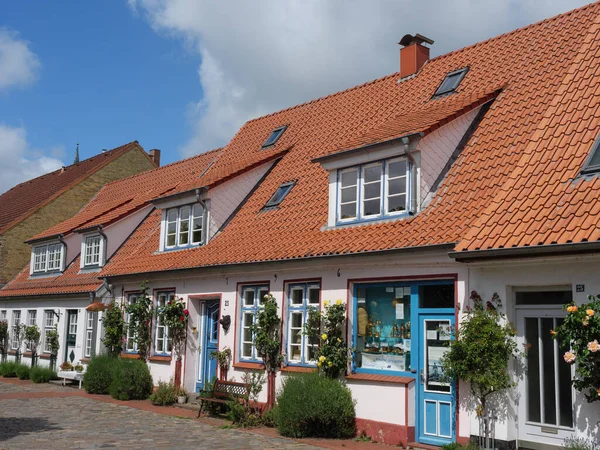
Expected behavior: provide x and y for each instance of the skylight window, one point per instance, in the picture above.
(592, 164)
(281, 192)
(451, 82)
(274, 137)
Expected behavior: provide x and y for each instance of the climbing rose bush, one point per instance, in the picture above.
(175, 316)
(578, 336)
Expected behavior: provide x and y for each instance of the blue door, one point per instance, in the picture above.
(208, 343)
(436, 397)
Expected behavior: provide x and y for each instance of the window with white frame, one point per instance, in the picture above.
(252, 299)
(184, 226)
(47, 258)
(93, 251)
(162, 335)
(302, 298)
(31, 320)
(373, 190)
(16, 322)
(130, 345)
(89, 334)
(3, 315)
(48, 327)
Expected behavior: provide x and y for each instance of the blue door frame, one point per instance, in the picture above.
(436, 400)
(208, 341)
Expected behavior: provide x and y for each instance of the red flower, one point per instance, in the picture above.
(182, 318)
(186, 312)
(169, 303)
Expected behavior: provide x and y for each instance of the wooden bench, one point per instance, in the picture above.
(225, 391)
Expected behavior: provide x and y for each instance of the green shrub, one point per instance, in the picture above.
(310, 405)
(100, 373)
(579, 443)
(9, 369)
(23, 372)
(164, 395)
(457, 446)
(270, 417)
(42, 374)
(131, 381)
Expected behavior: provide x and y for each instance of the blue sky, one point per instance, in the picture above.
(184, 75)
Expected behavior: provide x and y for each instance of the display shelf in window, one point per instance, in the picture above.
(383, 334)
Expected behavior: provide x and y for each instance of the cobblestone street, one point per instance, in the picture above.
(58, 418)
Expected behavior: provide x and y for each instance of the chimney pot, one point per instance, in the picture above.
(104, 150)
(413, 53)
(155, 156)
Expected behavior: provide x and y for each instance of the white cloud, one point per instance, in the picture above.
(18, 161)
(19, 66)
(258, 57)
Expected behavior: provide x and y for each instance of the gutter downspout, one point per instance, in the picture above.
(406, 140)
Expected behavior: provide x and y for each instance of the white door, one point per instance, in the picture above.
(545, 394)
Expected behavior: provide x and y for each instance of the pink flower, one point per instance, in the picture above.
(182, 318)
(569, 357)
(593, 346)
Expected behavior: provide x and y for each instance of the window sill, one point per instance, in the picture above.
(11, 352)
(249, 365)
(298, 369)
(380, 378)
(161, 358)
(130, 355)
(27, 354)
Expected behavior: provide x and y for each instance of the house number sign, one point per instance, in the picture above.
(580, 288)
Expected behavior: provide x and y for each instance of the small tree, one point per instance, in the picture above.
(32, 340)
(3, 338)
(327, 328)
(114, 330)
(175, 316)
(140, 314)
(482, 350)
(53, 344)
(266, 331)
(18, 335)
(581, 332)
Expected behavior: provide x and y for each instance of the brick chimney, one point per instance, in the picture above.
(413, 53)
(155, 156)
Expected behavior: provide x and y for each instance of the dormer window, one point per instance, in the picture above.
(281, 192)
(374, 190)
(47, 258)
(274, 137)
(184, 226)
(93, 251)
(451, 82)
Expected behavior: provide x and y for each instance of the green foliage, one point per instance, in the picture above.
(270, 417)
(212, 409)
(114, 329)
(327, 328)
(42, 374)
(236, 412)
(140, 313)
(456, 446)
(581, 332)
(164, 395)
(8, 369)
(223, 358)
(131, 381)
(18, 335)
(22, 372)
(175, 316)
(311, 405)
(53, 341)
(266, 331)
(32, 336)
(3, 335)
(483, 347)
(100, 373)
(579, 443)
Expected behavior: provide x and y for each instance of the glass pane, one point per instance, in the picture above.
(371, 207)
(172, 215)
(436, 340)
(183, 238)
(396, 169)
(349, 194)
(247, 336)
(296, 321)
(262, 293)
(372, 173)
(549, 382)
(311, 353)
(436, 296)
(197, 235)
(314, 295)
(533, 370)
(295, 353)
(160, 346)
(247, 350)
(198, 211)
(348, 211)
(564, 387)
(171, 227)
(295, 336)
(544, 297)
(397, 186)
(397, 203)
(297, 296)
(249, 297)
(349, 178)
(372, 190)
(184, 213)
(170, 240)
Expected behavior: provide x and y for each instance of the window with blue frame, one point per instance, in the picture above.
(130, 344)
(162, 334)
(372, 191)
(184, 226)
(252, 299)
(302, 297)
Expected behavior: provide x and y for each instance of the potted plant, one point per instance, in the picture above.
(223, 358)
(181, 395)
(78, 367)
(66, 366)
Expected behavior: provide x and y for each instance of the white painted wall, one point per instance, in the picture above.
(117, 232)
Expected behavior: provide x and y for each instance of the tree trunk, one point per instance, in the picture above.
(178, 372)
(271, 390)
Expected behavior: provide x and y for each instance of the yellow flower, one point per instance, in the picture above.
(321, 358)
(593, 346)
(585, 321)
(552, 332)
(589, 312)
(572, 309)
(569, 357)
(330, 364)
(319, 364)
(598, 392)
(339, 340)
(323, 336)
(338, 302)
(325, 303)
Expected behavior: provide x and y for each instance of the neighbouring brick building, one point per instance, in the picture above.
(37, 204)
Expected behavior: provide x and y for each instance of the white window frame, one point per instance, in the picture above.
(41, 257)
(87, 244)
(31, 320)
(16, 320)
(131, 345)
(48, 326)
(162, 298)
(302, 308)
(3, 315)
(386, 194)
(339, 190)
(362, 183)
(249, 309)
(192, 219)
(90, 322)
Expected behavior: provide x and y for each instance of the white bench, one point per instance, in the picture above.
(70, 375)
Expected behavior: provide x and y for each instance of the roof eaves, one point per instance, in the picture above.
(519, 252)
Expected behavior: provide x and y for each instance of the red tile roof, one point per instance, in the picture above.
(114, 201)
(25, 198)
(523, 157)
